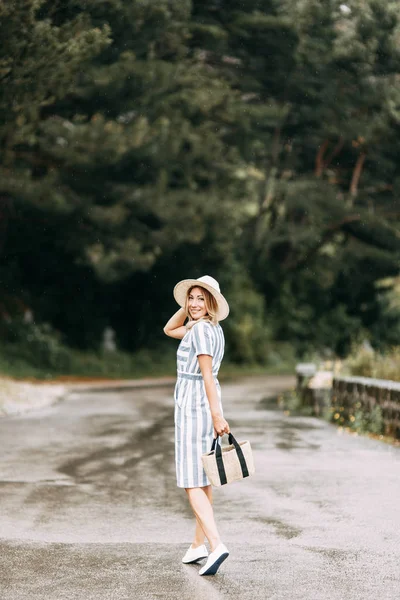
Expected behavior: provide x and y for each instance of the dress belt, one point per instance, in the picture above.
(192, 376)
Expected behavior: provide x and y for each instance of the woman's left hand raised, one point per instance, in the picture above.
(221, 426)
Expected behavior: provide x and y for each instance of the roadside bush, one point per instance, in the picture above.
(360, 421)
(41, 355)
(367, 363)
(39, 344)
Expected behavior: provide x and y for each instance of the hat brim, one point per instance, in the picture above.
(181, 290)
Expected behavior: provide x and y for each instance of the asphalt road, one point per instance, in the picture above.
(89, 509)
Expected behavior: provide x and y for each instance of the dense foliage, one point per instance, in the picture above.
(144, 142)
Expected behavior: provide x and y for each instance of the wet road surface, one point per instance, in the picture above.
(89, 509)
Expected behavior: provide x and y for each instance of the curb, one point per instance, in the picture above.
(21, 397)
(119, 385)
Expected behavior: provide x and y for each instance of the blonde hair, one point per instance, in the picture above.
(210, 303)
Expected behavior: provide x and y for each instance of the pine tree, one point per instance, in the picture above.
(318, 89)
(125, 162)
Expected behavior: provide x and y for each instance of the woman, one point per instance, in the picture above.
(198, 408)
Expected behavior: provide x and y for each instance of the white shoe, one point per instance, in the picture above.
(195, 554)
(215, 560)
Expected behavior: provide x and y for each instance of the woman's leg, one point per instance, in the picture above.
(199, 535)
(200, 502)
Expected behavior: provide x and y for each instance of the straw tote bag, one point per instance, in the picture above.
(230, 463)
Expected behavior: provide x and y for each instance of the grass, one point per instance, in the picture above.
(119, 365)
(91, 365)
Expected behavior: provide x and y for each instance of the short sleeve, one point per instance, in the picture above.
(202, 338)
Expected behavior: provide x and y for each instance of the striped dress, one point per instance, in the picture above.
(194, 430)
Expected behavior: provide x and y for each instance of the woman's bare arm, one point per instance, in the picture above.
(221, 426)
(175, 327)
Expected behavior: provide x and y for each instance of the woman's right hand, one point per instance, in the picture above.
(221, 425)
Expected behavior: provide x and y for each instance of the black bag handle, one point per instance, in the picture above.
(240, 454)
(220, 464)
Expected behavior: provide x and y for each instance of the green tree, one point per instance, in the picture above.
(144, 142)
(124, 164)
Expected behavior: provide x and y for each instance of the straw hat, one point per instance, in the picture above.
(208, 283)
